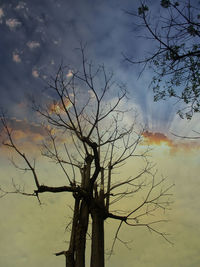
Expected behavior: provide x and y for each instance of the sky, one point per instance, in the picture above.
(36, 37)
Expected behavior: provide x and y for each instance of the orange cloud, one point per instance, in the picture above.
(57, 107)
(24, 132)
(157, 138)
(27, 136)
(69, 74)
(35, 73)
(16, 58)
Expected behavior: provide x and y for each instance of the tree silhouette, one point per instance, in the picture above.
(174, 52)
(89, 138)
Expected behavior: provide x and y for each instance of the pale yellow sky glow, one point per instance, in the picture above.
(30, 233)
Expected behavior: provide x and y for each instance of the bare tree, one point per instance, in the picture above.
(174, 53)
(89, 138)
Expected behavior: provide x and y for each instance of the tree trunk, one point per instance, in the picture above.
(69, 259)
(97, 250)
(71, 252)
(81, 235)
(97, 213)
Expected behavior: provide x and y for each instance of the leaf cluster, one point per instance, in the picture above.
(175, 52)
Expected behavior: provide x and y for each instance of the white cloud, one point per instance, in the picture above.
(13, 23)
(35, 73)
(21, 5)
(16, 58)
(33, 44)
(69, 74)
(57, 42)
(91, 93)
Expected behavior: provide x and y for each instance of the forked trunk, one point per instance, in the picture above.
(82, 225)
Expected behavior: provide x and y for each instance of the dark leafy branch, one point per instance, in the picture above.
(175, 52)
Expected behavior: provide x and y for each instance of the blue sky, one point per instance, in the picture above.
(38, 36)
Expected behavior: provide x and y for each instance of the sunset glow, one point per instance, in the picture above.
(160, 139)
(49, 46)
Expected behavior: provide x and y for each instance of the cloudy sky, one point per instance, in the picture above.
(36, 36)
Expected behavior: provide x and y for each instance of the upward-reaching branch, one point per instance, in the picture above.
(89, 140)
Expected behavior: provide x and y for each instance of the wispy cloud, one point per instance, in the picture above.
(1, 15)
(29, 136)
(57, 107)
(24, 131)
(20, 5)
(16, 57)
(91, 93)
(35, 73)
(69, 74)
(13, 23)
(33, 44)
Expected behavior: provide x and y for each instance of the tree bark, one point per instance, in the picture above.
(97, 250)
(69, 259)
(97, 213)
(82, 225)
(81, 235)
(70, 255)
